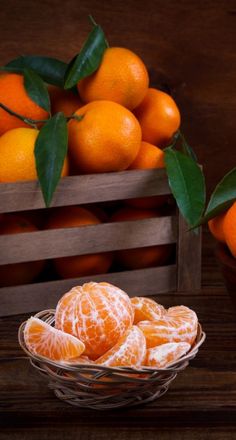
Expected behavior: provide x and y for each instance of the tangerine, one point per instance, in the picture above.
(229, 229)
(146, 309)
(165, 354)
(97, 313)
(121, 77)
(216, 227)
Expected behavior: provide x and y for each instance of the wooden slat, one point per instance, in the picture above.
(39, 296)
(85, 189)
(83, 240)
(189, 257)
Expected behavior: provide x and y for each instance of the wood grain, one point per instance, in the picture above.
(85, 189)
(29, 246)
(40, 296)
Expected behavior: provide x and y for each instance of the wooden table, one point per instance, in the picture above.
(201, 403)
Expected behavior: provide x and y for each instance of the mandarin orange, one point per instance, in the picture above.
(216, 227)
(146, 309)
(229, 229)
(165, 354)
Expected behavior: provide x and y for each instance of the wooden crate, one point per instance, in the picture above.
(185, 274)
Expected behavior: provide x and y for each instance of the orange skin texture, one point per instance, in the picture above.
(107, 139)
(129, 351)
(148, 157)
(17, 160)
(229, 229)
(64, 101)
(216, 227)
(158, 116)
(14, 96)
(18, 273)
(146, 309)
(121, 77)
(44, 340)
(81, 265)
(177, 324)
(97, 313)
(140, 258)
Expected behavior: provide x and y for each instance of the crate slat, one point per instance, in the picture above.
(83, 240)
(34, 297)
(85, 189)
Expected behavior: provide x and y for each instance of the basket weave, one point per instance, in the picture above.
(99, 387)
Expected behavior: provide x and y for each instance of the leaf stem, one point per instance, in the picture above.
(28, 121)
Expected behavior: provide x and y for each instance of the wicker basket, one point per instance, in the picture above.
(99, 387)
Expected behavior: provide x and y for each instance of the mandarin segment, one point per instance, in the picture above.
(97, 313)
(130, 350)
(162, 355)
(178, 324)
(44, 340)
(146, 309)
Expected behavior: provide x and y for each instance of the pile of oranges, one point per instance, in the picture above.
(223, 228)
(98, 323)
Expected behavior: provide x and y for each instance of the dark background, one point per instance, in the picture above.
(187, 45)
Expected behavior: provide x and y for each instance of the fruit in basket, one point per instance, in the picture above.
(129, 351)
(44, 340)
(64, 101)
(107, 138)
(158, 116)
(146, 309)
(18, 273)
(121, 77)
(178, 324)
(229, 229)
(78, 265)
(17, 161)
(216, 227)
(164, 354)
(139, 258)
(97, 313)
(14, 96)
(148, 157)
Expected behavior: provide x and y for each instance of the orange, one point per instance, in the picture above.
(79, 265)
(159, 117)
(129, 351)
(229, 229)
(139, 258)
(64, 101)
(165, 354)
(121, 77)
(148, 157)
(146, 309)
(44, 340)
(216, 227)
(108, 137)
(17, 161)
(97, 313)
(14, 96)
(178, 324)
(18, 273)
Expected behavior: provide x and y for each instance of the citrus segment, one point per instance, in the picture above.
(178, 324)
(164, 354)
(97, 313)
(44, 340)
(146, 309)
(129, 351)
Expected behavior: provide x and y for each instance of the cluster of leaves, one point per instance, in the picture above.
(186, 178)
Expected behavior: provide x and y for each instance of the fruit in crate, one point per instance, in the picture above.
(18, 273)
(79, 265)
(106, 325)
(97, 313)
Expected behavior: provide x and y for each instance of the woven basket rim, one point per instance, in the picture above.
(174, 366)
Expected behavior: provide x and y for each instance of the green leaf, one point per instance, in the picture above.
(222, 197)
(89, 58)
(50, 152)
(51, 70)
(187, 184)
(186, 147)
(36, 89)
